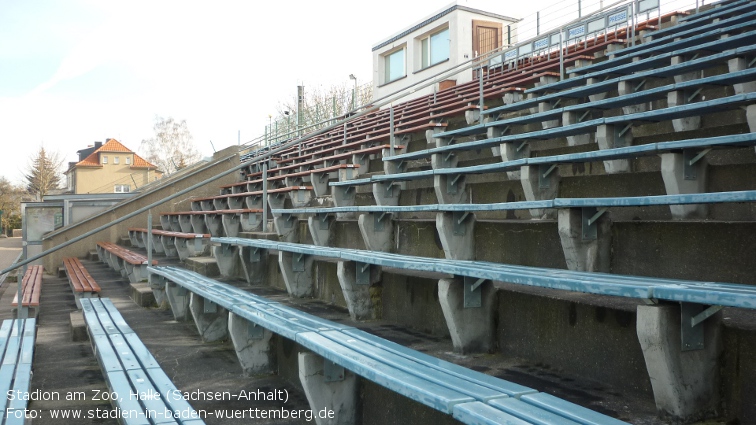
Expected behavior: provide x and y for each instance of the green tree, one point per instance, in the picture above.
(10, 204)
(43, 174)
(172, 148)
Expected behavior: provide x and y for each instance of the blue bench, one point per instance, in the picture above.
(721, 9)
(17, 349)
(443, 386)
(694, 31)
(647, 288)
(614, 102)
(615, 66)
(658, 115)
(129, 369)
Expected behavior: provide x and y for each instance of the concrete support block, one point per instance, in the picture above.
(377, 231)
(251, 222)
(740, 64)
(227, 259)
(169, 245)
(688, 76)
(254, 264)
(358, 297)
(343, 196)
(231, 224)
(165, 222)
(537, 187)
(751, 117)
(456, 230)
(471, 328)
(287, 228)
(676, 182)
(472, 116)
(320, 228)
(514, 151)
(178, 300)
(338, 397)
(679, 98)
(254, 202)
(685, 383)
(387, 192)
(191, 248)
(598, 96)
(543, 107)
(185, 223)
(511, 97)
(298, 279)
(252, 345)
(494, 132)
(198, 223)
(451, 188)
(430, 136)
(579, 139)
(319, 183)
(626, 88)
(214, 225)
(588, 254)
(210, 318)
(610, 137)
(299, 198)
(276, 201)
(157, 245)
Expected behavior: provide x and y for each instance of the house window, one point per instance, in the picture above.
(104, 159)
(435, 48)
(116, 160)
(122, 188)
(128, 160)
(394, 65)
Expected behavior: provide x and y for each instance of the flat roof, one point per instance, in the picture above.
(445, 11)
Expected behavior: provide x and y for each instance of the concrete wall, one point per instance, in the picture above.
(222, 161)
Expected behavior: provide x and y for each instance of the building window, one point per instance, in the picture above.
(104, 159)
(122, 188)
(394, 65)
(435, 48)
(128, 160)
(116, 160)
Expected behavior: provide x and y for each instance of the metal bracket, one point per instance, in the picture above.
(590, 216)
(692, 336)
(323, 219)
(255, 254)
(693, 95)
(349, 192)
(458, 219)
(750, 64)
(551, 168)
(447, 158)
(621, 133)
(522, 145)
(690, 158)
(543, 172)
(362, 273)
(641, 84)
(332, 372)
(209, 306)
(585, 114)
(297, 262)
(254, 331)
(451, 183)
(557, 103)
(378, 223)
(390, 189)
(288, 220)
(472, 292)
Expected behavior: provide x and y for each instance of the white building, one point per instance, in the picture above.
(437, 43)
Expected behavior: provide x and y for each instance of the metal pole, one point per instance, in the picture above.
(538, 23)
(580, 9)
(391, 130)
(149, 245)
(561, 53)
(22, 313)
(265, 197)
(480, 90)
(632, 38)
(345, 134)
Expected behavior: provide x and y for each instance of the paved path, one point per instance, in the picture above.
(10, 248)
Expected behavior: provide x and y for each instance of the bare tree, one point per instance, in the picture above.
(172, 148)
(10, 205)
(322, 107)
(44, 173)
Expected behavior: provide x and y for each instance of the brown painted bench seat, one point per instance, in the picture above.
(31, 289)
(213, 221)
(82, 283)
(170, 243)
(129, 263)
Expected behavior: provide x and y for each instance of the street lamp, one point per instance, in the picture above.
(354, 91)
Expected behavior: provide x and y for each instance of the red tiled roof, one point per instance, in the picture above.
(113, 145)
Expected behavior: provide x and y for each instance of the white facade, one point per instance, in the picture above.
(417, 53)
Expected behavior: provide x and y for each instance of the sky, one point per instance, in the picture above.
(78, 71)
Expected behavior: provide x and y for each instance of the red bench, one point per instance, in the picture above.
(81, 282)
(31, 288)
